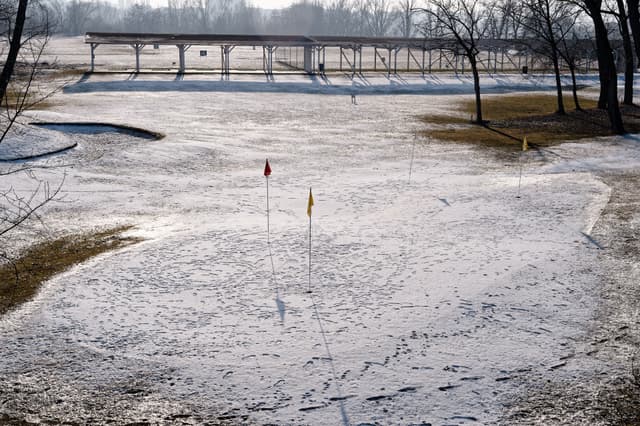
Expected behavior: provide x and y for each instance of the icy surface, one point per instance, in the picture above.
(438, 297)
(24, 141)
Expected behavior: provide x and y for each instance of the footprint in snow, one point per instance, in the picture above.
(280, 306)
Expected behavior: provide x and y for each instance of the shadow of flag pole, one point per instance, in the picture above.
(309, 211)
(525, 147)
(279, 302)
(343, 411)
(413, 149)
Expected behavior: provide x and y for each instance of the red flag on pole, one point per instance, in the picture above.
(267, 169)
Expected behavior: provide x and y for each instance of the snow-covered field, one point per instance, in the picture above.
(435, 300)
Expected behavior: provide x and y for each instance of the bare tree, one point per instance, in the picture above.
(27, 42)
(15, 43)
(339, 17)
(620, 13)
(634, 22)
(548, 23)
(606, 64)
(301, 18)
(407, 8)
(378, 16)
(502, 16)
(572, 49)
(16, 208)
(77, 15)
(465, 23)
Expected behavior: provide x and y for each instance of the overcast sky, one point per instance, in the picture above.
(272, 4)
(265, 4)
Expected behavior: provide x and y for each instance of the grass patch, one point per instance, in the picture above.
(509, 118)
(507, 107)
(13, 96)
(21, 279)
(627, 403)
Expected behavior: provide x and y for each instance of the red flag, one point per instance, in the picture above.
(267, 169)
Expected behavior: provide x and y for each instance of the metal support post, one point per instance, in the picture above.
(93, 55)
(395, 60)
(354, 58)
(375, 59)
(181, 51)
(138, 47)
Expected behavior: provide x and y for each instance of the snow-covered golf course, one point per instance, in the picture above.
(444, 299)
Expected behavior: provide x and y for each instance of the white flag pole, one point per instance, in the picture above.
(268, 218)
(309, 213)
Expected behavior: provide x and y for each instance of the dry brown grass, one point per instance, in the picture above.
(13, 97)
(505, 107)
(509, 118)
(20, 280)
(627, 403)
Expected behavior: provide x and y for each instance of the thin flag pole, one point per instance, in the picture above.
(267, 173)
(309, 254)
(309, 206)
(413, 149)
(520, 179)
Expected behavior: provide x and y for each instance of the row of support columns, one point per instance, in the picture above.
(315, 59)
(355, 65)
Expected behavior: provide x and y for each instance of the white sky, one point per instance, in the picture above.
(265, 4)
(272, 4)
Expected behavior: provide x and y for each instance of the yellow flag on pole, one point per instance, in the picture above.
(310, 203)
(525, 145)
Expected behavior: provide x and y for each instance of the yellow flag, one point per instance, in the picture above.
(525, 145)
(310, 203)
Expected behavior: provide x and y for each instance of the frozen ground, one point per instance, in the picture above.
(441, 298)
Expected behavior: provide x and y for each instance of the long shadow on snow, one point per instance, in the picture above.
(313, 87)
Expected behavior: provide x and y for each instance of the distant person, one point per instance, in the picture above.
(353, 99)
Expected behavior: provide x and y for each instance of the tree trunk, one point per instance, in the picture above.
(14, 48)
(602, 98)
(628, 55)
(574, 86)
(634, 22)
(606, 63)
(476, 87)
(553, 45)
(556, 70)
